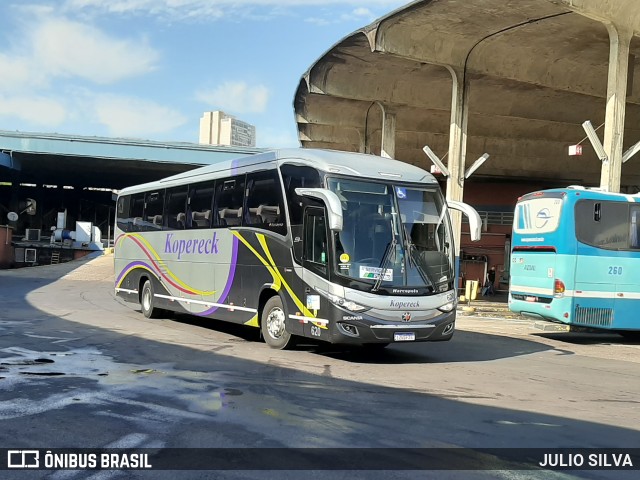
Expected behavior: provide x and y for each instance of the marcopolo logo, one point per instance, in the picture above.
(200, 246)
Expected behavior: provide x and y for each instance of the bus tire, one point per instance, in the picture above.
(272, 325)
(147, 301)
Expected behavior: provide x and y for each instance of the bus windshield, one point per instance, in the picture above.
(393, 236)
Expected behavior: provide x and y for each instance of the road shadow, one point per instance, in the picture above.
(591, 338)
(464, 346)
(102, 387)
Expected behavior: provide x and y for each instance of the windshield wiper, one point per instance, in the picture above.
(391, 247)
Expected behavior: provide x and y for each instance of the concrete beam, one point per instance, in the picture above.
(623, 13)
(510, 119)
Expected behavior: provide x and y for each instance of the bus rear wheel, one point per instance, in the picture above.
(147, 301)
(272, 324)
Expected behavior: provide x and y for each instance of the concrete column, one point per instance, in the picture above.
(619, 40)
(368, 134)
(388, 146)
(362, 148)
(457, 148)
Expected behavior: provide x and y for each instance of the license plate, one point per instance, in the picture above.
(404, 336)
(531, 299)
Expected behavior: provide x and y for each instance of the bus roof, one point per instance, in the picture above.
(333, 161)
(578, 192)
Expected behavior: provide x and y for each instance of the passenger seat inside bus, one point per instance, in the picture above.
(268, 213)
(201, 219)
(137, 224)
(231, 216)
(156, 220)
(181, 221)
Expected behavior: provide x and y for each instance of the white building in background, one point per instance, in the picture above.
(218, 128)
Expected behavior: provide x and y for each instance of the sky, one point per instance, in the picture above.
(149, 69)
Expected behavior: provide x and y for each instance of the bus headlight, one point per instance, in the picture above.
(342, 302)
(352, 306)
(447, 307)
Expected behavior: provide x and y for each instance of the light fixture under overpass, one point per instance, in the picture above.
(633, 149)
(599, 149)
(595, 141)
(445, 171)
(436, 161)
(476, 165)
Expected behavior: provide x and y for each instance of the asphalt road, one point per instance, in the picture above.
(79, 368)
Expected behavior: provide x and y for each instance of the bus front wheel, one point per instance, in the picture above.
(272, 325)
(147, 301)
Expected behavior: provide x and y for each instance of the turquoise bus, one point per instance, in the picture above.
(575, 258)
(334, 246)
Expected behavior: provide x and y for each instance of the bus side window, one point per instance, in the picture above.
(175, 209)
(634, 228)
(603, 224)
(200, 205)
(315, 240)
(153, 210)
(123, 218)
(264, 202)
(297, 176)
(136, 212)
(228, 202)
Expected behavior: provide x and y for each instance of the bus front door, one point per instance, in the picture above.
(315, 274)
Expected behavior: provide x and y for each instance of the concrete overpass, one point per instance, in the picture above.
(513, 78)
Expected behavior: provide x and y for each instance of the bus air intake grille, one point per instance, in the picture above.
(593, 317)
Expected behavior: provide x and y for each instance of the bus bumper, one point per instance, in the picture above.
(356, 329)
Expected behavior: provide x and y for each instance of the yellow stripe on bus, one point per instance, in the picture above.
(296, 300)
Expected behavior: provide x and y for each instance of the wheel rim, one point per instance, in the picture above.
(275, 323)
(146, 300)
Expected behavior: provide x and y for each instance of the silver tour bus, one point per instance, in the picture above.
(341, 247)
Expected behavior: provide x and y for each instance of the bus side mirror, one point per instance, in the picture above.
(475, 222)
(331, 200)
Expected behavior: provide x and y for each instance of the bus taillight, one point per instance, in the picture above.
(558, 287)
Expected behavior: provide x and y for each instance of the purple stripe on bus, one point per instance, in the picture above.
(232, 273)
(130, 266)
